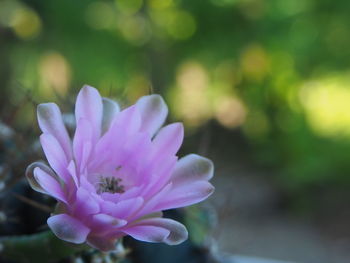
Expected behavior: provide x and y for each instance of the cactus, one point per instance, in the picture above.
(42, 247)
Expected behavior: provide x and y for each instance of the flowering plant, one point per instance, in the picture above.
(118, 173)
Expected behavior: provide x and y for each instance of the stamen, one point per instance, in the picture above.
(110, 185)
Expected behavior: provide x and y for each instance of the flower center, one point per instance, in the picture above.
(110, 185)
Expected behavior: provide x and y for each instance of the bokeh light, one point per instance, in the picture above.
(55, 73)
(24, 21)
(254, 62)
(230, 112)
(192, 94)
(326, 102)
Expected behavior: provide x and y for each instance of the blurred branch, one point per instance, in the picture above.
(33, 203)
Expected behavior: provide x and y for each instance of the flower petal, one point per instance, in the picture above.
(89, 106)
(155, 200)
(123, 209)
(153, 112)
(68, 228)
(129, 119)
(82, 143)
(104, 219)
(110, 110)
(73, 172)
(185, 195)
(49, 184)
(161, 175)
(158, 230)
(85, 204)
(84, 182)
(104, 224)
(148, 233)
(55, 156)
(50, 121)
(192, 168)
(168, 140)
(132, 192)
(32, 180)
(123, 129)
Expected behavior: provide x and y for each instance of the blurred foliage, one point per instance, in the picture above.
(275, 70)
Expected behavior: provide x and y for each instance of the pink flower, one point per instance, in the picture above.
(118, 173)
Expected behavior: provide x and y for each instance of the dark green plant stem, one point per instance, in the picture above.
(43, 247)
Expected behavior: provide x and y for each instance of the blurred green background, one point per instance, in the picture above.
(264, 83)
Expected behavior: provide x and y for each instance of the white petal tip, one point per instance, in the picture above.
(33, 182)
(177, 235)
(68, 228)
(202, 165)
(87, 87)
(47, 111)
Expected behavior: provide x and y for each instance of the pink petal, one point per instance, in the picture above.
(68, 228)
(110, 111)
(192, 168)
(185, 195)
(82, 143)
(50, 121)
(132, 192)
(85, 204)
(86, 154)
(109, 143)
(123, 209)
(129, 119)
(55, 156)
(105, 219)
(150, 205)
(153, 113)
(73, 172)
(89, 107)
(161, 175)
(49, 184)
(140, 143)
(110, 197)
(158, 230)
(123, 129)
(135, 152)
(103, 224)
(168, 140)
(86, 184)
